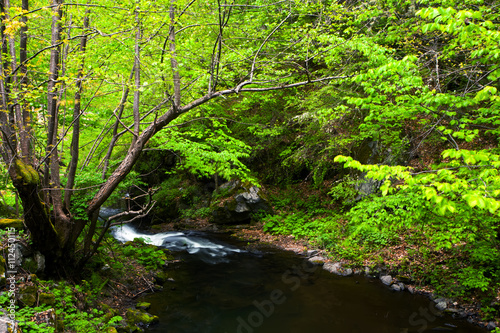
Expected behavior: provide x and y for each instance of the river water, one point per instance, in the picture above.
(220, 286)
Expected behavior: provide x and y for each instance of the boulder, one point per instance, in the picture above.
(47, 298)
(140, 318)
(336, 268)
(317, 260)
(441, 306)
(239, 203)
(27, 294)
(386, 279)
(6, 323)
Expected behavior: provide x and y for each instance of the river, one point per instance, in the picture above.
(223, 286)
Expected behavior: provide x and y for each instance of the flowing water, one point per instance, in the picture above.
(221, 287)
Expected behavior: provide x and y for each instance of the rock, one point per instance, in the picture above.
(333, 267)
(386, 279)
(29, 264)
(47, 298)
(358, 271)
(403, 278)
(161, 277)
(240, 203)
(411, 289)
(143, 305)
(311, 253)
(27, 294)
(317, 260)
(20, 252)
(110, 330)
(439, 300)
(6, 323)
(441, 306)
(35, 263)
(48, 317)
(11, 223)
(491, 326)
(336, 268)
(140, 318)
(396, 287)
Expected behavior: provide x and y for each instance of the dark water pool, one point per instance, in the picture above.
(270, 290)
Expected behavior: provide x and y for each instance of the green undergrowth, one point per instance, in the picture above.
(457, 255)
(95, 299)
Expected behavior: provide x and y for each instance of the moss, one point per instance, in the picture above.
(139, 317)
(30, 265)
(11, 223)
(27, 295)
(26, 173)
(110, 330)
(47, 298)
(143, 305)
(161, 277)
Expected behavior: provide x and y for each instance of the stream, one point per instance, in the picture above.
(222, 286)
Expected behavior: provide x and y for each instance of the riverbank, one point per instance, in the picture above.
(389, 271)
(106, 293)
(100, 298)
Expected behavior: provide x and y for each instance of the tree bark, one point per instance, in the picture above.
(137, 76)
(75, 139)
(173, 59)
(115, 137)
(52, 181)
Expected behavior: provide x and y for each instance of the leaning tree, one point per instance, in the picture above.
(86, 76)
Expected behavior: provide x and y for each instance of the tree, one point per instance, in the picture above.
(180, 61)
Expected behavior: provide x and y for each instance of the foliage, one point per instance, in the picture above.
(149, 256)
(67, 314)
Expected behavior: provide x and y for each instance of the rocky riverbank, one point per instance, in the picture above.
(388, 275)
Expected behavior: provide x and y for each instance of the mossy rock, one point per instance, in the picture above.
(110, 330)
(140, 318)
(27, 295)
(47, 298)
(11, 223)
(161, 277)
(30, 265)
(143, 305)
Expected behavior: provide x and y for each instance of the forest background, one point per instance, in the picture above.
(373, 125)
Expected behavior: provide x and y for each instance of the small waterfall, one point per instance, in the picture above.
(194, 243)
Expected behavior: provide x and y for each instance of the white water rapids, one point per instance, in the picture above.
(192, 242)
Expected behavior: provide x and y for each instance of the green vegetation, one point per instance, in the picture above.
(374, 126)
(85, 304)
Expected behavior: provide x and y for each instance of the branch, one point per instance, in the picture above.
(70, 126)
(254, 6)
(262, 45)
